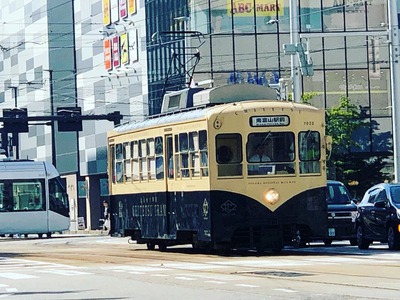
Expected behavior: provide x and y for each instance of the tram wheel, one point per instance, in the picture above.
(151, 246)
(48, 235)
(162, 247)
(40, 235)
(328, 242)
(298, 241)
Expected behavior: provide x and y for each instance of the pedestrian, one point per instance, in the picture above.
(107, 217)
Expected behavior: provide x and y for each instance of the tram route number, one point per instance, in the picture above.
(308, 123)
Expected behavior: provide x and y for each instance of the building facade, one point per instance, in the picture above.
(110, 55)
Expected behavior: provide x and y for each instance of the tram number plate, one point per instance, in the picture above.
(331, 232)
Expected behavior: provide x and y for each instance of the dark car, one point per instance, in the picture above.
(378, 216)
(342, 212)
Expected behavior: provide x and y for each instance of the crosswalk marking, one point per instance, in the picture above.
(65, 272)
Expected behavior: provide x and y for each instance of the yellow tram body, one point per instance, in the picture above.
(190, 176)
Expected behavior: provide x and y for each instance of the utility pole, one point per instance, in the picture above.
(394, 59)
(53, 133)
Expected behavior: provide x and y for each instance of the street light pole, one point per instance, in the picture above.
(294, 61)
(395, 79)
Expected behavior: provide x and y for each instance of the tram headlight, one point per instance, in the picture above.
(271, 196)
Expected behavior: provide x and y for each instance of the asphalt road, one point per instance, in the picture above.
(103, 267)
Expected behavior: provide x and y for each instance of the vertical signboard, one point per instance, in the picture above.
(133, 45)
(131, 7)
(107, 54)
(115, 52)
(106, 12)
(114, 11)
(123, 12)
(123, 39)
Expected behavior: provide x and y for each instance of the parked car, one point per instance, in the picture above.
(378, 216)
(342, 212)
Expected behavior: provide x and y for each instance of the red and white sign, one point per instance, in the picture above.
(116, 52)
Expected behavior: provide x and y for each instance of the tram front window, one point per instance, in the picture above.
(229, 154)
(58, 197)
(270, 153)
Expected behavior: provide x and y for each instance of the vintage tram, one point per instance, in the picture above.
(221, 168)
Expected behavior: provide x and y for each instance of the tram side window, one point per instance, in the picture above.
(203, 152)
(58, 197)
(309, 152)
(135, 161)
(143, 159)
(194, 157)
(28, 195)
(229, 154)
(119, 170)
(6, 197)
(127, 161)
(182, 156)
(112, 157)
(159, 151)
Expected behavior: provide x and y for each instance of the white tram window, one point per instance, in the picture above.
(203, 152)
(127, 161)
(135, 149)
(184, 156)
(151, 158)
(309, 152)
(194, 155)
(143, 160)
(135, 160)
(150, 147)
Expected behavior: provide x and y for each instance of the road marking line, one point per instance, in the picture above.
(185, 278)
(247, 285)
(16, 276)
(65, 272)
(285, 290)
(214, 281)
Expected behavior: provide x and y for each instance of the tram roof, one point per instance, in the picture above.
(204, 112)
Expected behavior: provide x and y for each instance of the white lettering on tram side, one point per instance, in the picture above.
(149, 207)
(273, 182)
(149, 210)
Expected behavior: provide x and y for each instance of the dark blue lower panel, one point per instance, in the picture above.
(218, 217)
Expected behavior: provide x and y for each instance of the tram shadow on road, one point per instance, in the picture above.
(314, 249)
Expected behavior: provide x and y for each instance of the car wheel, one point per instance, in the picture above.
(361, 241)
(393, 239)
(328, 242)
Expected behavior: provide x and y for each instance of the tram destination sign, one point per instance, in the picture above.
(267, 121)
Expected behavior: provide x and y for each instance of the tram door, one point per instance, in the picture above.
(170, 196)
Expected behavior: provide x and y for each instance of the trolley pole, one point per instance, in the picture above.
(395, 80)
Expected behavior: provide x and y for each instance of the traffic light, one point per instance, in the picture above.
(71, 119)
(15, 120)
